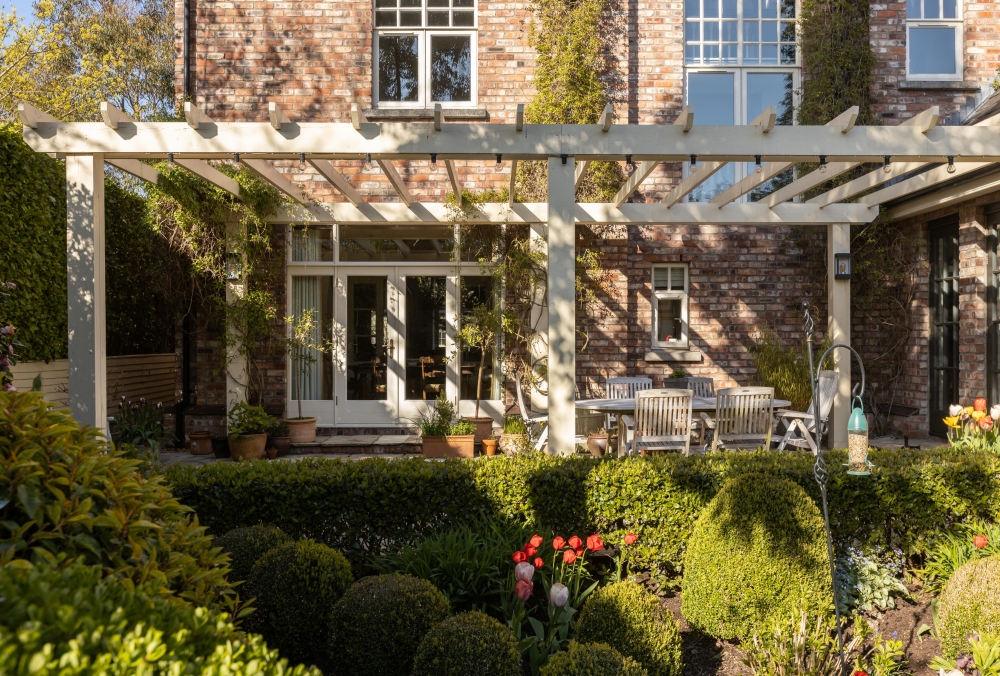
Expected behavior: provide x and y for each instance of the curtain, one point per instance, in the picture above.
(306, 244)
(305, 296)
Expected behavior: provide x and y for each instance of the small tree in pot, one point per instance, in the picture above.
(481, 329)
(301, 347)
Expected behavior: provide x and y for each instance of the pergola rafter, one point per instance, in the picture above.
(567, 149)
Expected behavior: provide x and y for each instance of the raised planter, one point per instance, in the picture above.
(455, 446)
(247, 446)
(201, 443)
(484, 427)
(512, 444)
(301, 430)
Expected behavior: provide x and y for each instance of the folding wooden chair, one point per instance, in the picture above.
(743, 417)
(663, 421)
(800, 428)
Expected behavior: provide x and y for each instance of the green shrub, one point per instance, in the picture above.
(591, 659)
(470, 643)
(969, 604)
(634, 622)
(381, 505)
(380, 622)
(955, 549)
(71, 622)
(70, 497)
(245, 546)
(756, 551)
(297, 585)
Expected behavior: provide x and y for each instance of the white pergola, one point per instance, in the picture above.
(918, 151)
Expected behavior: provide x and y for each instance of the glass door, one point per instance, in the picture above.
(944, 320)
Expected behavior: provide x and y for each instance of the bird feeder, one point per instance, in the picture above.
(857, 441)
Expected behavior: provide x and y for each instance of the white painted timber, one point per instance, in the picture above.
(357, 117)
(112, 116)
(397, 182)
(337, 180)
(512, 187)
(644, 169)
(137, 169)
(698, 175)
(807, 182)
(277, 179)
(846, 119)
(87, 352)
(766, 119)
(866, 182)
(438, 117)
(607, 118)
(919, 182)
(838, 240)
(456, 185)
(947, 195)
(403, 248)
(277, 116)
(685, 120)
(519, 117)
(561, 240)
(581, 170)
(211, 174)
(31, 117)
(194, 116)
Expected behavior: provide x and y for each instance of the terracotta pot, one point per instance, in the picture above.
(490, 446)
(512, 444)
(597, 445)
(201, 443)
(455, 446)
(484, 427)
(301, 430)
(272, 453)
(280, 444)
(247, 446)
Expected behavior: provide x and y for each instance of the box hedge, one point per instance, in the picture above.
(468, 643)
(245, 546)
(969, 604)
(366, 507)
(591, 659)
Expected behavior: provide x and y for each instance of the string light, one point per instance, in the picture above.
(368, 161)
(629, 165)
(886, 162)
(758, 169)
(499, 161)
(822, 164)
(694, 160)
(170, 161)
(236, 158)
(302, 161)
(434, 159)
(951, 164)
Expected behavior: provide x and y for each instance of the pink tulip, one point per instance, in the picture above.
(559, 595)
(523, 589)
(524, 571)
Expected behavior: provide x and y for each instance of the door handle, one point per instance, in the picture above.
(392, 349)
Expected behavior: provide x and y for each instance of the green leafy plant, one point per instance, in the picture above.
(440, 421)
(247, 419)
(581, 659)
(140, 424)
(469, 643)
(148, 457)
(801, 647)
(786, 369)
(757, 549)
(678, 373)
(968, 604)
(886, 658)
(956, 548)
(864, 583)
(481, 329)
(632, 621)
(245, 546)
(296, 586)
(303, 345)
(514, 424)
(981, 657)
(279, 428)
(8, 341)
(462, 427)
(380, 622)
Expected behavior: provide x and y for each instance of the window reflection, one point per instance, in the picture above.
(451, 68)
(398, 67)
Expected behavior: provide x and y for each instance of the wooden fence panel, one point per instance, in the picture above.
(152, 376)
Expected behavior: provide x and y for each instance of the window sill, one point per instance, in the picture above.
(940, 84)
(662, 354)
(399, 114)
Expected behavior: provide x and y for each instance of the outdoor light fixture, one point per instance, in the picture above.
(758, 169)
(564, 157)
(886, 162)
(170, 160)
(368, 161)
(236, 158)
(842, 266)
(822, 164)
(234, 266)
(629, 165)
(302, 161)
(434, 159)
(694, 160)
(499, 161)
(951, 164)
(857, 442)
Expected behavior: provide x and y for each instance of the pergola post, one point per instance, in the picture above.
(88, 395)
(237, 376)
(561, 238)
(838, 240)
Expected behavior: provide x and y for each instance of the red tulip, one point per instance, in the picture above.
(859, 673)
(523, 589)
(579, 551)
(558, 543)
(536, 540)
(575, 542)
(986, 423)
(979, 404)
(529, 550)
(538, 562)
(569, 556)
(595, 543)
(631, 539)
(980, 541)
(519, 557)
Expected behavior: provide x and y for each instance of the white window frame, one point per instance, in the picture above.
(424, 34)
(740, 42)
(656, 296)
(958, 25)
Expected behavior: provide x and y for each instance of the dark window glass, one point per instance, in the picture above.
(750, 9)
(728, 9)
(410, 18)
(397, 68)
(385, 3)
(385, 18)
(711, 9)
(463, 3)
(787, 9)
(451, 68)
(944, 281)
(437, 18)
(437, 3)
(367, 320)
(426, 336)
(463, 19)
(769, 9)
(787, 54)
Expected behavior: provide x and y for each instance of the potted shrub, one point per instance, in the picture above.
(480, 329)
(443, 438)
(302, 346)
(597, 443)
(248, 427)
(514, 438)
(279, 438)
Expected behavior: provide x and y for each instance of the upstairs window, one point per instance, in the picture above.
(934, 40)
(425, 53)
(739, 32)
(670, 305)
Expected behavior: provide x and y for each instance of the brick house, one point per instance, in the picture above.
(684, 296)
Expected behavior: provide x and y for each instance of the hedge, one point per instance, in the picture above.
(367, 507)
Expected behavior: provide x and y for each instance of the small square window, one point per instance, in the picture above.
(670, 305)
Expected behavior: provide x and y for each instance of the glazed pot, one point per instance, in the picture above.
(597, 445)
(301, 430)
(247, 446)
(452, 446)
(280, 444)
(484, 427)
(200, 443)
(490, 446)
(512, 444)
(220, 447)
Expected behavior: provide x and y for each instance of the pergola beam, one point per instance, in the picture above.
(866, 182)
(919, 182)
(210, 174)
(396, 181)
(195, 116)
(644, 169)
(337, 180)
(31, 117)
(698, 175)
(403, 248)
(138, 169)
(112, 116)
(947, 195)
(277, 179)
(456, 185)
(277, 116)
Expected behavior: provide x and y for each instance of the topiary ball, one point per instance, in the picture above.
(470, 643)
(634, 622)
(246, 545)
(756, 552)
(297, 586)
(591, 659)
(381, 621)
(970, 603)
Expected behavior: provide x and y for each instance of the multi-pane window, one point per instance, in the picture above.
(670, 305)
(739, 32)
(425, 52)
(934, 39)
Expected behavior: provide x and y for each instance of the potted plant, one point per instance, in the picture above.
(597, 443)
(279, 438)
(514, 438)
(272, 452)
(490, 446)
(480, 329)
(248, 427)
(443, 438)
(301, 348)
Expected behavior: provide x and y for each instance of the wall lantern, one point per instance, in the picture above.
(842, 266)
(234, 266)
(857, 441)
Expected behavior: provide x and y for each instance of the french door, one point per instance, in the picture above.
(944, 280)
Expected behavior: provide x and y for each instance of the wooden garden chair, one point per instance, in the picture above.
(703, 388)
(532, 418)
(662, 421)
(624, 388)
(800, 428)
(743, 417)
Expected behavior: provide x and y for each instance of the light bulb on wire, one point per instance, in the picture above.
(758, 169)
(368, 161)
(499, 161)
(951, 164)
(886, 163)
(236, 158)
(629, 164)
(434, 159)
(170, 161)
(822, 164)
(302, 161)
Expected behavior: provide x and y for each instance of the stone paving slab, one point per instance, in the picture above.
(169, 458)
